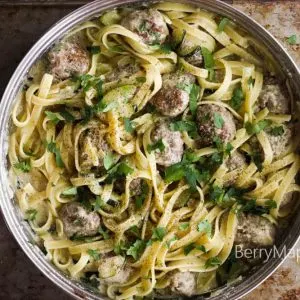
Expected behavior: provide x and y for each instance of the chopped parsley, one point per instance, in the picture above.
(212, 262)
(187, 249)
(129, 127)
(109, 160)
(158, 233)
(194, 96)
(209, 61)
(94, 254)
(170, 241)
(99, 203)
(136, 249)
(30, 214)
(270, 204)
(118, 171)
(188, 126)
(159, 145)
(93, 49)
(237, 98)
(104, 233)
(121, 248)
(292, 40)
(222, 24)
(24, 166)
(70, 192)
(166, 48)
(139, 199)
(53, 117)
(277, 131)
(51, 147)
(184, 226)
(224, 197)
(205, 227)
(254, 128)
(218, 120)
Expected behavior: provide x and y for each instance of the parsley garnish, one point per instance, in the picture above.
(70, 192)
(277, 131)
(94, 254)
(94, 49)
(187, 249)
(159, 145)
(109, 160)
(24, 166)
(222, 24)
(129, 127)
(139, 199)
(53, 117)
(237, 98)
(169, 242)
(159, 233)
(136, 249)
(121, 248)
(51, 147)
(205, 227)
(118, 171)
(209, 61)
(254, 128)
(270, 204)
(212, 262)
(183, 226)
(194, 95)
(104, 233)
(30, 214)
(166, 48)
(292, 40)
(99, 203)
(218, 120)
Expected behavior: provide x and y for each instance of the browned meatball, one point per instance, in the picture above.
(215, 121)
(274, 98)
(173, 97)
(173, 144)
(93, 148)
(122, 72)
(68, 59)
(183, 283)
(254, 232)
(78, 221)
(236, 161)
(149, 24)
(135, 186)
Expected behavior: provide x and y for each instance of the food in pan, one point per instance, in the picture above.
(149, 144)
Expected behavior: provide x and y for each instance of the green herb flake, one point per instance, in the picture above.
(129, 127)
(277, 131)
(187, 249)
(68, 117)
(254, 128)
(70, 192)
(194, 96)
(94, 49)
(201, 248)
(188, 126)
(121, 248)
(139, 199)
(109, 160)
(24, 166)
(99, 203)
(271, 204)
(166, 48)
(104, 233)
(159, 145)
(53, 117)
(292, 40)
(209, 62)
(205, 227)
(222, 24)
(159, 233)
(94, 254)
(218, 120)
(212, 262)
(136, 249)
(251, 81)
(237, 98)
(184, 226)
(51, 147)
(30, 214)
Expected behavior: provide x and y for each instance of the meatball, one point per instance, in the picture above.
(183, 283)
(236, 161)
(148, 24)
(68, 59)
(113, 270)
(195, 58)
(254, 232)
(173, 98)
(173, 144)
(191, 52)
(78, 221)
(214, 121)
(279, 143)
(274, 98)
(135, 186)
(93, 149)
